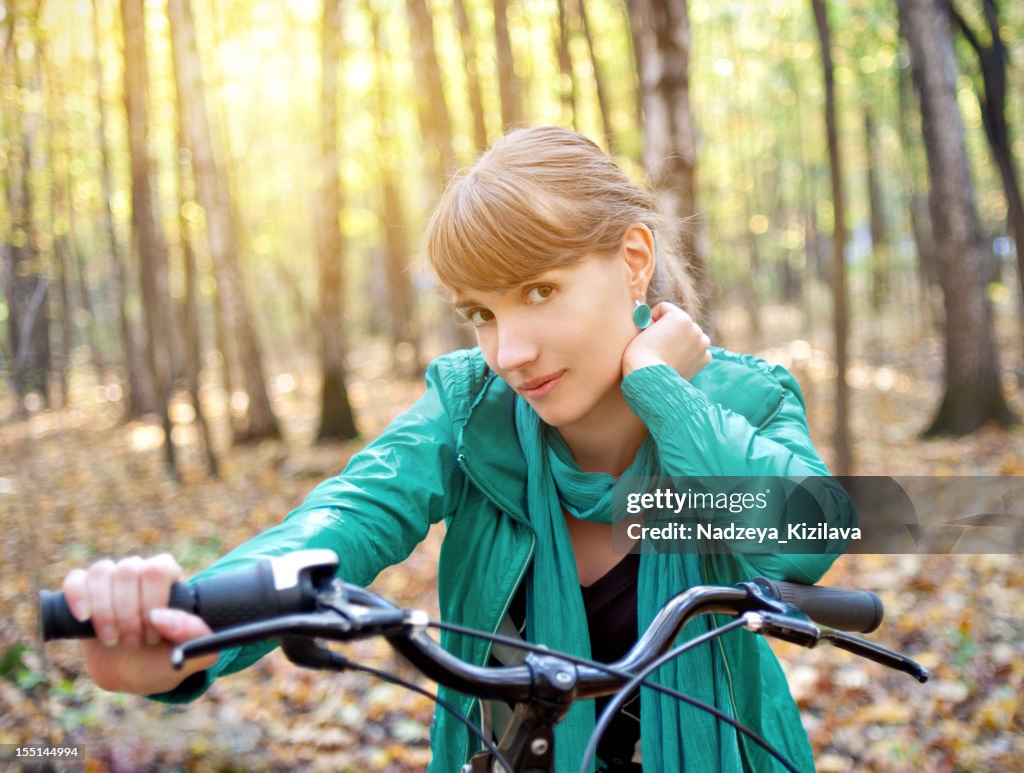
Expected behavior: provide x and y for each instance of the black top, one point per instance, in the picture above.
(610, 605)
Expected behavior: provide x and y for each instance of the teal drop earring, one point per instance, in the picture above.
(641, 314)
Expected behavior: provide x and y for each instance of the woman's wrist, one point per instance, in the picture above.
(640, 360)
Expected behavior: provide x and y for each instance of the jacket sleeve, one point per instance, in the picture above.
(697, 437)
(372, 515)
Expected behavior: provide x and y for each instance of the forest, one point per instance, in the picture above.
(214, 293)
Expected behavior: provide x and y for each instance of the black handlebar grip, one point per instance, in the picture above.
(222, 601)
(848, 610)
(57, 622)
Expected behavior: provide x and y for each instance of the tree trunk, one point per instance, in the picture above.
(476, 104)
(972, 394)
(60, 202)
(336, 419)
(509, 85)
(85, 297)
(844, 461)
(670, 141)
(213, 194)
(600, 84)
(567, 81)
(435, 122)
(136, 399)
(192, 355)
(920, 222)
(26, 288)
(147, 227)
(879, 226)
(401, 305)
(992, 99)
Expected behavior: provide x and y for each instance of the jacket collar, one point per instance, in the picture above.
(488, 446)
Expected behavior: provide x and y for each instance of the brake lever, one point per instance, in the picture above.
(799, 629)
(335, 624)
(314, 625)
(877, 653)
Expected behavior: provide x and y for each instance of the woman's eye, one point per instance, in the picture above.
(539, 293)
(478, 316)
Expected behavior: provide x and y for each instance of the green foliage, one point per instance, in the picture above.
(14, 669)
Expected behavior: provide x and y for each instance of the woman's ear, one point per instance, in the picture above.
(639, 254)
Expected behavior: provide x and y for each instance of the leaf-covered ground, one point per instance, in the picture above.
(78, 484)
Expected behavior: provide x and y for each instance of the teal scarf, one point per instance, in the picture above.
(674, 735)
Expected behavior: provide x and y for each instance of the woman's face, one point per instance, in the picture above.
(558, 339)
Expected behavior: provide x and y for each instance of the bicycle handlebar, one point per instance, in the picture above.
(269, 588)
(289, 595)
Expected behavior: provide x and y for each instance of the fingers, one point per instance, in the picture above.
(157, 577)
(127, 610)
(177, 626)
(673, 338)
(119, 597)
(76, 594)
(98, 582)
(665, 308)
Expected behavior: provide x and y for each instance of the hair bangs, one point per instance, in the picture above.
(491, 233)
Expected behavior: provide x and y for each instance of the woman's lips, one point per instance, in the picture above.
(542, 386)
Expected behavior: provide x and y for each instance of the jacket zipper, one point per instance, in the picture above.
(489, 493)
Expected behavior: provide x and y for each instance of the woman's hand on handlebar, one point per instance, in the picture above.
(127, 603)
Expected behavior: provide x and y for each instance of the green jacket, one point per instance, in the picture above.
(454, 456)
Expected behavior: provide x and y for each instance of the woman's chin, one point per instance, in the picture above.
(557, 416)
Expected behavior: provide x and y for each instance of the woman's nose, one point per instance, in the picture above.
(517, 347)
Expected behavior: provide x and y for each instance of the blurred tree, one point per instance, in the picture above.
(973, 395)
(567, 80)
(161, 338)
(600, 82)
(670, 141)
(510, 86)
(26, 284)
(213, 194)
(432, 107)
(917, 203)
(60, 258)
(844, 461)
(436, 130)
(469, 56)
(189, 312)
(336, 419)
(85, 296)
(992, 99)
(405, 334)
(876, 210)
(136, 399)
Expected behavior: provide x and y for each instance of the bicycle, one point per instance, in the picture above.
(297, 599)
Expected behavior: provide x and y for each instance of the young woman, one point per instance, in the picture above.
(555, 257)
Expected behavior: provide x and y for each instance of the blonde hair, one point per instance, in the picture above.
(541, 198)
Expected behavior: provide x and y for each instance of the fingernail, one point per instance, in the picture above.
(81, 611)
(108, 635)
(164, 617)
(131, 640)
(152, 637)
